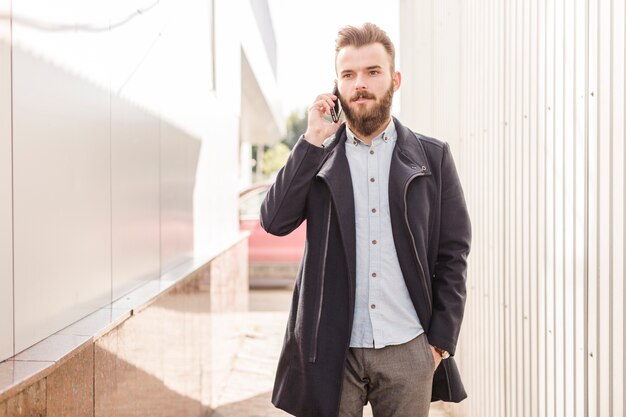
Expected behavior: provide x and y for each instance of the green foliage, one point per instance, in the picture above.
(274, 158)
(296, 126)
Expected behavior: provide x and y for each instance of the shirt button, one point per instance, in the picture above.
(373, 274)
(372, 179)
(373, 306)
(371, 152)
(374, 242)
(373, 210)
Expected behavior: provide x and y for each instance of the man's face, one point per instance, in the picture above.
(366, 86)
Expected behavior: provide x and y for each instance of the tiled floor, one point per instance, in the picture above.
(247, 357)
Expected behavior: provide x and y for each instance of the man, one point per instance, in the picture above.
(379, 298)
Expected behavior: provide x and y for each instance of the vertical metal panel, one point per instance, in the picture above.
(498, 134)
(526, 201)
(603, 221)
(531, 114)
(546, 195)
(416, 21)
(540, 114)
(550, 214)
(135, 214)
(61, 173)
(6, 188)
(559, 215)
(567, 216)
(493, 201)
(178, 161)
(135, 204)
(510, 198)
(186, 128)
(580, 249)
(592, 209)
(446, 35)
(618, 42)
(517, 236)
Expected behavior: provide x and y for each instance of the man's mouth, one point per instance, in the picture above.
(362, 97)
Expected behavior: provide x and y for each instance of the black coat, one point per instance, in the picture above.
(431, 231)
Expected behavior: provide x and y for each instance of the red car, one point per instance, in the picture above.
(273, 260)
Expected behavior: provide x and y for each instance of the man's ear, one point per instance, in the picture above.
(396, 79)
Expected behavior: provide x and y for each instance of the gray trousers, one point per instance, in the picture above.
(396, 380)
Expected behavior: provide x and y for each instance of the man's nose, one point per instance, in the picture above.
(360, 82)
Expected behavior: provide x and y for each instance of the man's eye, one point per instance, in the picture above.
(374, 72)
(347, 75)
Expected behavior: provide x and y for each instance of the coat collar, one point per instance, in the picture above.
(410, 151)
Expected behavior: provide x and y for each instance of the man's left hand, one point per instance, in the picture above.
(436, 356)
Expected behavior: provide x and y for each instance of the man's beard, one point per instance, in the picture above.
(367, 121)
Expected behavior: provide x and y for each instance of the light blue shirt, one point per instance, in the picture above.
(383, 311)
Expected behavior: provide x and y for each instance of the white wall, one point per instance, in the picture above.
(430, 102)
(62, 172)
(135, 51)
(216, 191)
(541, 157)
(62, 197)
(125, 153)
(135, 196)
(6, 210)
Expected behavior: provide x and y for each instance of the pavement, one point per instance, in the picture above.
(246, 350)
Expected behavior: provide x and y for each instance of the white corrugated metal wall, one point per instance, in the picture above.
(540, 149)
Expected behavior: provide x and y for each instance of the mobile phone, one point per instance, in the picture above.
(335, 111)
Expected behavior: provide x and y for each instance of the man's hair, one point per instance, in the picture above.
(366, 34)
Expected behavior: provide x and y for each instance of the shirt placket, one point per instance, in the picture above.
(373, 163)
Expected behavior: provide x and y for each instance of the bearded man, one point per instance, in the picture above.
(379, 298)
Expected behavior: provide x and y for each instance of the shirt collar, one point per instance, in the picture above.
(389, 135)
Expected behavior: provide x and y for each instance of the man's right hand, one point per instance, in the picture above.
(319, 129)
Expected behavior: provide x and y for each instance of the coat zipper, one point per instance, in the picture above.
(318, 315)
(419, 263)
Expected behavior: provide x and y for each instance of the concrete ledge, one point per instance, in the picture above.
(150, 350)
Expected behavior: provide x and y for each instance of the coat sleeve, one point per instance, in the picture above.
(448, 283)
(283, 209)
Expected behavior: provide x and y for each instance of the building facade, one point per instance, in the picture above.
(531, 97)
(121, 129)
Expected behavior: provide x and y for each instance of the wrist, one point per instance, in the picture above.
(442, 352)
(314, 138)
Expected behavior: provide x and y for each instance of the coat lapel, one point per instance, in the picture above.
(335, 172)
(407, 160)
(408, 163)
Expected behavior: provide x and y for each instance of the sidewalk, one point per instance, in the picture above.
(246, 357)
(246, 362)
